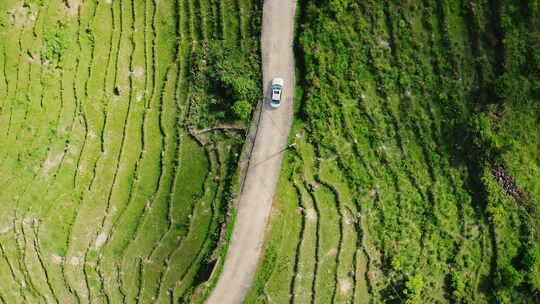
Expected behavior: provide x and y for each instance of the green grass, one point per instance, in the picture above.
(107, 197)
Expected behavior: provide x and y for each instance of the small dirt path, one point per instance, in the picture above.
(255, 201)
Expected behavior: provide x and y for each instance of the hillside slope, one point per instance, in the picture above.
(415, 175)
(105, 195)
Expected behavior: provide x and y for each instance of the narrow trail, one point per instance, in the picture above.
(255, 201)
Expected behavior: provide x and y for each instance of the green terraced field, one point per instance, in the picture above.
(413, 175)
(415, 172)
(105, 195)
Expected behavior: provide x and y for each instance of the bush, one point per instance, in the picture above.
(338, 6)
(532, 260)
(513, 88)
(57, 43)
(242, 109)
(220, 76)
(413, 290)
(508, 277)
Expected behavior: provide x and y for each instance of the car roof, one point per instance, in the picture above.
(278, 81)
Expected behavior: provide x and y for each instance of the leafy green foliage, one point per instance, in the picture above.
(413, 289)
(58, 41)
(242, 109)
(226, 83)
(430, 111)
(532, 260)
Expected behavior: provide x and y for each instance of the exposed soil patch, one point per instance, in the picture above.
(311, 214)
(5, 229)
(52, 161)
(510, 186)
(22, 15)
(332, 251)
(138, 72)
(56, 259)
(100, 240)
(75, 261)
(72, 7)
(345, 286)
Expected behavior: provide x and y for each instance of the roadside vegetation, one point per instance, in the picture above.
(121, 126)
(414, 176)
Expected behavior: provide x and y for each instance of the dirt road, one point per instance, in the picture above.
(255, 201)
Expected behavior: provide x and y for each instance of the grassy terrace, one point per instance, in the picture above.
(106, 195)
(414, 177)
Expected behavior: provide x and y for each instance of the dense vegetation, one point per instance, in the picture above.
(107, 195)
(416, 168)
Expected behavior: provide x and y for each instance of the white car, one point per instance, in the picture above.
(277, 91)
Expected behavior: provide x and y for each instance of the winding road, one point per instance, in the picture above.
(255, 201)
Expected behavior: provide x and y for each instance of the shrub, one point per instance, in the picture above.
(338, 6)
(532, 260)
(413, 289)
(221, 75)
(57, 42)
(458, 286)
(242, 109)
(512, 87)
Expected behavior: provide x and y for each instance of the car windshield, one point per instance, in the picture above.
(276, 91)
